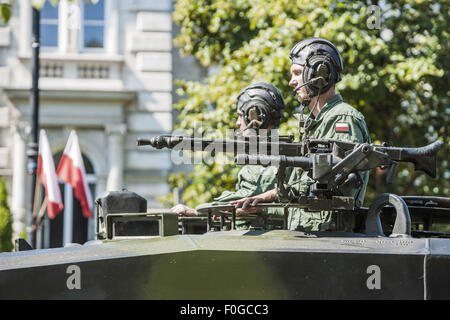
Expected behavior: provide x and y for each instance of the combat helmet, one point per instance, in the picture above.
(261, 104)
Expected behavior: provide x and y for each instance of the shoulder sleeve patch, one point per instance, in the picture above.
(342, 127)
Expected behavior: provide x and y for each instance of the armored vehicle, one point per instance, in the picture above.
(396, 251)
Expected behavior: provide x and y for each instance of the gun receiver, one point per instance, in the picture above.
(334, 170)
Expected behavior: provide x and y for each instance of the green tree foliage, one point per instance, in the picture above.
(5, 220)
(395, 75)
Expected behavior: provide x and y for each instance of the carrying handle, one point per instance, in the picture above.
(402, 225)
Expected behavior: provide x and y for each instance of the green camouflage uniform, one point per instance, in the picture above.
(324, 127)
(252, 180)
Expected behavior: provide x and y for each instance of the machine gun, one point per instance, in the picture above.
(332, 164)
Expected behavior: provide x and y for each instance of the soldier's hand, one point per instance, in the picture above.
(183, 210)
(246, 205)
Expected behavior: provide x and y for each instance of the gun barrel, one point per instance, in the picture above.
(424, 158)
(271, 160)
(196, 144)
(246, 145)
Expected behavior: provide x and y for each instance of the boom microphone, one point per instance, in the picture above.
(294, 92)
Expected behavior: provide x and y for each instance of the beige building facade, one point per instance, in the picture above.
(106, 71)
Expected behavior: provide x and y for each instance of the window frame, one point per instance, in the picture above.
(62, 41)
(57, 24)
(81, 46)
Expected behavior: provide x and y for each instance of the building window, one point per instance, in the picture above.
(49, 25)
(93, 24)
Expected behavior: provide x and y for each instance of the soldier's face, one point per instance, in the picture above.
(297, 79)
(240, 123)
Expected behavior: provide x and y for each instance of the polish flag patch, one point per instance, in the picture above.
(342, 127)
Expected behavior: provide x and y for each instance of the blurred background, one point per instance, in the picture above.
(117, 70)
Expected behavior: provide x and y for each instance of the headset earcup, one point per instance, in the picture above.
(318, 66)
(264, 115)
(307, 75)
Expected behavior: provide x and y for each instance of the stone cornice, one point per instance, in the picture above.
(77, 57)
(83, 95)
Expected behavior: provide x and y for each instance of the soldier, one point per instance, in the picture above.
(259, 106)
(316, 68)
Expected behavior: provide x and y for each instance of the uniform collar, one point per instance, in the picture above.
(334, 100)
(314, 122)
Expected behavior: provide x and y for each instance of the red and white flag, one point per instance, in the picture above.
(342, 127)
(47, 175)
(71, 170)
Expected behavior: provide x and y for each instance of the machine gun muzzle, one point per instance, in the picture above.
(424, 158)
(160, 142)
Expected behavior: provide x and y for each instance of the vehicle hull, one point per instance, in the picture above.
(233, 265)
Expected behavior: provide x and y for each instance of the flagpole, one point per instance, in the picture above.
(37, 196)
(41, 214)
(32, 151)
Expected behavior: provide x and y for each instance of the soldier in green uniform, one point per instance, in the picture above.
(259, 108)
(316, 67)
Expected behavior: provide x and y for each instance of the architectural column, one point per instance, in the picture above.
(73, 25)
(19, 210)
(25, 28)
(115, 133)
(63, 26)
(112, 27)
